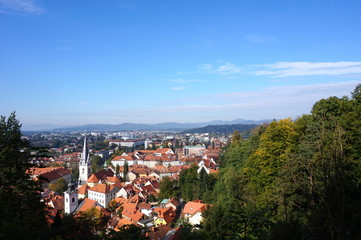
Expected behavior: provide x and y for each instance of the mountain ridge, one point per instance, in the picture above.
(157, 126)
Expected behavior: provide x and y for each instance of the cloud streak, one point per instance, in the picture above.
(226, 68)
(177, 88)
(20, 7)
(285, 69)
(180, 80)
(296, 69)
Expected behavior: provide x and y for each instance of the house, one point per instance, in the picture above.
(127, 143)
(145, 208)
(113, 181)
(141, 170)
(57, 203)
(193, 211)
(164, 216)
(159, 232)
(86, 204)
(48, 177)
(193, 150)
(163, 171)
(131, 176)
(131, 212)
(103, 174)
(120, 160)
(173, 203)
(92, 180)
(208, 170)
(155, 174)
(164, 151)
(102, 193)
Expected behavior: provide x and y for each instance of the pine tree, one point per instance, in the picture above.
(22, 216)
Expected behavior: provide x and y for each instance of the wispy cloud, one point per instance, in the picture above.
(256, 38)
(224, 68)
(294, 69)
(20, 7)
(181, 80)
(285, 69)
(177, 88)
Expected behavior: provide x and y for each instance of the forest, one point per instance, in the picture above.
(290, 180)
(245, 129)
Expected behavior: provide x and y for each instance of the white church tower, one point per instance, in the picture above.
(70, 199)
(84, 164)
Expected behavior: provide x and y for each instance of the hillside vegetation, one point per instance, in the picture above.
(292, 179)
(224, 129)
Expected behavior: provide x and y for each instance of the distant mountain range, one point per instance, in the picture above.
(168, 126)
(245, 129)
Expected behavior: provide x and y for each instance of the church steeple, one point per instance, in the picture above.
(84, 164)
(85, 154)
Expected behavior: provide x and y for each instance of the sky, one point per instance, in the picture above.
(75, 62)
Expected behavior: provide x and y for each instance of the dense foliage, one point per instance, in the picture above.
(292, 179)
(22, 216)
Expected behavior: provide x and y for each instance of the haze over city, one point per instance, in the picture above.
(81, 62)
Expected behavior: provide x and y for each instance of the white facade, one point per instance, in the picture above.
(127, 143)
(121, 162)
(193, 150)
(102, 198)
(195, 219)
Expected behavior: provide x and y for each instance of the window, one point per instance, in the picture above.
(73, 200)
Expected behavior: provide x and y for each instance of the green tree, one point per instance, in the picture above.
(22, 215)
(189, 183)
(59, 186)
(128, 232)
(168, 188)
(125, 169)
(96, 162)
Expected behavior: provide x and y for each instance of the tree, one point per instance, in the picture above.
(125, 169)
(112, 206)
(168, 188)
(96, 162)
(128, 232)
(22, 215)
(59, 186)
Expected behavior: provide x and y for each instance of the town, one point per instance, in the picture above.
(125, 176)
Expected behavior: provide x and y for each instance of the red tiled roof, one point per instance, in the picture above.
(102, 188)
(83, 189)
(130, 211)
(88, 203)
(92, 179)
(104, 173)
(168, 214)
(193, 207)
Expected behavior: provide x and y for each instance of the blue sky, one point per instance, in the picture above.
(105, 61)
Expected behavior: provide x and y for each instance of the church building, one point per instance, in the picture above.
(84, 165)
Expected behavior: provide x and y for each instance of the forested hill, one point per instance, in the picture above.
(223, 129)
(290, 179)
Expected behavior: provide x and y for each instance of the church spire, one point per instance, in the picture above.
(84, 164)
(85, 154)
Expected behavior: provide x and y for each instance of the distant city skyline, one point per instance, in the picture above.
(110, 62)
